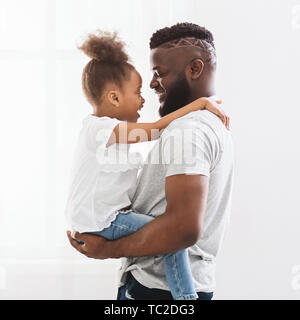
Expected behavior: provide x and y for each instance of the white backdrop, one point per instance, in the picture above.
(42, 105)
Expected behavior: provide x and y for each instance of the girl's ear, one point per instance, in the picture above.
(113, 98)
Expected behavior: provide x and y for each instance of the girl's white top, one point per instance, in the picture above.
(103, 180)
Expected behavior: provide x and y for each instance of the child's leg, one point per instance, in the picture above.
(124, 225)
(179, 275)
(176, 264)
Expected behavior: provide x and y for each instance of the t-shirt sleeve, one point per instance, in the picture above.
(100, 130)
(186, 151)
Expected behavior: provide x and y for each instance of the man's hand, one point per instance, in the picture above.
(93, 246)
(178, 228)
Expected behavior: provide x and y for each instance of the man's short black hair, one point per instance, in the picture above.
(179, 31)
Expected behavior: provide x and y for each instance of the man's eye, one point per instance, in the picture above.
(158, 75)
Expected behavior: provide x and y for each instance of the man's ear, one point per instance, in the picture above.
(113, 97)
(195, 68)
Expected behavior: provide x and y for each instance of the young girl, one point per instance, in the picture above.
(105, 173)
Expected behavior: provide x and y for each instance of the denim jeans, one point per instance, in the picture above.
(177, 267)
(133, 290)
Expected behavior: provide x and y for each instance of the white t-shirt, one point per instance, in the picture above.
(197, 143)
(103, 180)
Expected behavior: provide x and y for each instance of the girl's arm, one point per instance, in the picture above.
(132, 132)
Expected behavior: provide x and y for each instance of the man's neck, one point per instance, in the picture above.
(204, 89)
(201, 93)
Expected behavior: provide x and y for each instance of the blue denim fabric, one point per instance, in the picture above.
(133, 290)
(177, 267)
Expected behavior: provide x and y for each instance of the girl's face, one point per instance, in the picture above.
(131, 100)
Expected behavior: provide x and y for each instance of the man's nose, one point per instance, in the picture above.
(154, 83)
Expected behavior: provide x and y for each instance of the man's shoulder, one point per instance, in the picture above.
(202, 121)
(196, 119)
(198, 126)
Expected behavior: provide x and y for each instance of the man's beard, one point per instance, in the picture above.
(177, 97)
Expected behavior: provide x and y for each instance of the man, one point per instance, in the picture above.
(188, 191)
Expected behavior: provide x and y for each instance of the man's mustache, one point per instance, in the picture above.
(159, 91)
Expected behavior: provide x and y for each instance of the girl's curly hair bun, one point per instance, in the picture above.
(105, 47)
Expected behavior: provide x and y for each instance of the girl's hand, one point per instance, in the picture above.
(213, 106)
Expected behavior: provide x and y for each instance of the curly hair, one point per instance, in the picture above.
(184, 35)
(179, 31)
(109, 63)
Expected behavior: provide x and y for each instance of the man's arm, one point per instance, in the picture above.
(178, 228)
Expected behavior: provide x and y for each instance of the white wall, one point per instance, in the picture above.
(258, 46)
